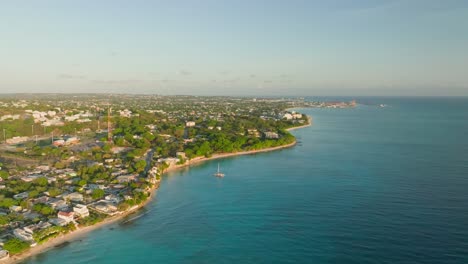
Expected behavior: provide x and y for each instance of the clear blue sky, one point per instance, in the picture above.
(238, 47)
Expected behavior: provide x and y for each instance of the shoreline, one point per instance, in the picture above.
(74, 235)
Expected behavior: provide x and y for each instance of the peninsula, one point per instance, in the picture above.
(69, 164)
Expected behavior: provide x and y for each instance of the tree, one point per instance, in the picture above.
(15, 246)
(7, 202)
(60, 165)
(54, 192)
(140, 165)
(41, 181)
(98, 194)
(4, 174)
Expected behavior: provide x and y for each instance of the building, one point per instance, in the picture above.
(33, 228)
(253, 132)
(57, 203)
(297, 116)
(105, 207)
(125, 113)
(67, 216)
(287, 116)
(58, 222)
(4, 254)
(113, 198)
(16, 140)
(15, 208)
(23, 235)
(21, 196)
(271, 135)
(81, 210)
(59, 142)
(190, 124)
(74, 197)
(127, 178)
(169, 161)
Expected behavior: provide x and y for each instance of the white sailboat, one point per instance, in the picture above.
(219, 173)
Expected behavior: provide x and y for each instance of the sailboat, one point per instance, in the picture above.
(219, 173)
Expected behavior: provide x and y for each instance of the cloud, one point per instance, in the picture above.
(71, 76)
(118, 82)
(235, 80)
(184, 72)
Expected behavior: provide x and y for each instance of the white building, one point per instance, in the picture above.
(190, 124)
(81, 210)
(4, 254)
(67, 216)
(271, 135)
(74, 197)
(287, 116)
(23, 235)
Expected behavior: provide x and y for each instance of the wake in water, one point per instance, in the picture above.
(134, 218)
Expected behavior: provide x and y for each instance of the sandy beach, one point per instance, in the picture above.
(80, 232)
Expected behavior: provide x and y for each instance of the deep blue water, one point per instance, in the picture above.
(364, 185)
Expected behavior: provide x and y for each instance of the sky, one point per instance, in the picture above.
(235, 47)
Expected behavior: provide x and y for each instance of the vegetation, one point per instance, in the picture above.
(15, 246)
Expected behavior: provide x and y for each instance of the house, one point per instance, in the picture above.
(67, 216)
(271, 135)
(58, 222)
(33, 228)
(23, 235)
(4, 254)
(72, 140)
(21, 196)
(253, 132)
(190, 124)
(105, 207)
(57, 203)
(81, 210)
(127, 178)
(74, 197)
(59, 142)
(113, 198)
(42, 200)
(30, 215)
(287, 116)
(169, 161)
(125, 113)
(15, 208)
(297, 116)
(16, 140)
(181, 154)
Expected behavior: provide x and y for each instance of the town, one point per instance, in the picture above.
(71, 161)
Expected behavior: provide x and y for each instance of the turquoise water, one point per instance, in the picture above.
(364, 185)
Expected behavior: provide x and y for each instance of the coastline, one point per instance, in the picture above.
(74, 235)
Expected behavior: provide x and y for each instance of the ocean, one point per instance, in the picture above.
(365, 185)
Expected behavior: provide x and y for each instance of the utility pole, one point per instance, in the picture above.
(32, 130)
(98, 125)
(52, 134)
(36, 139)
(109, 135)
